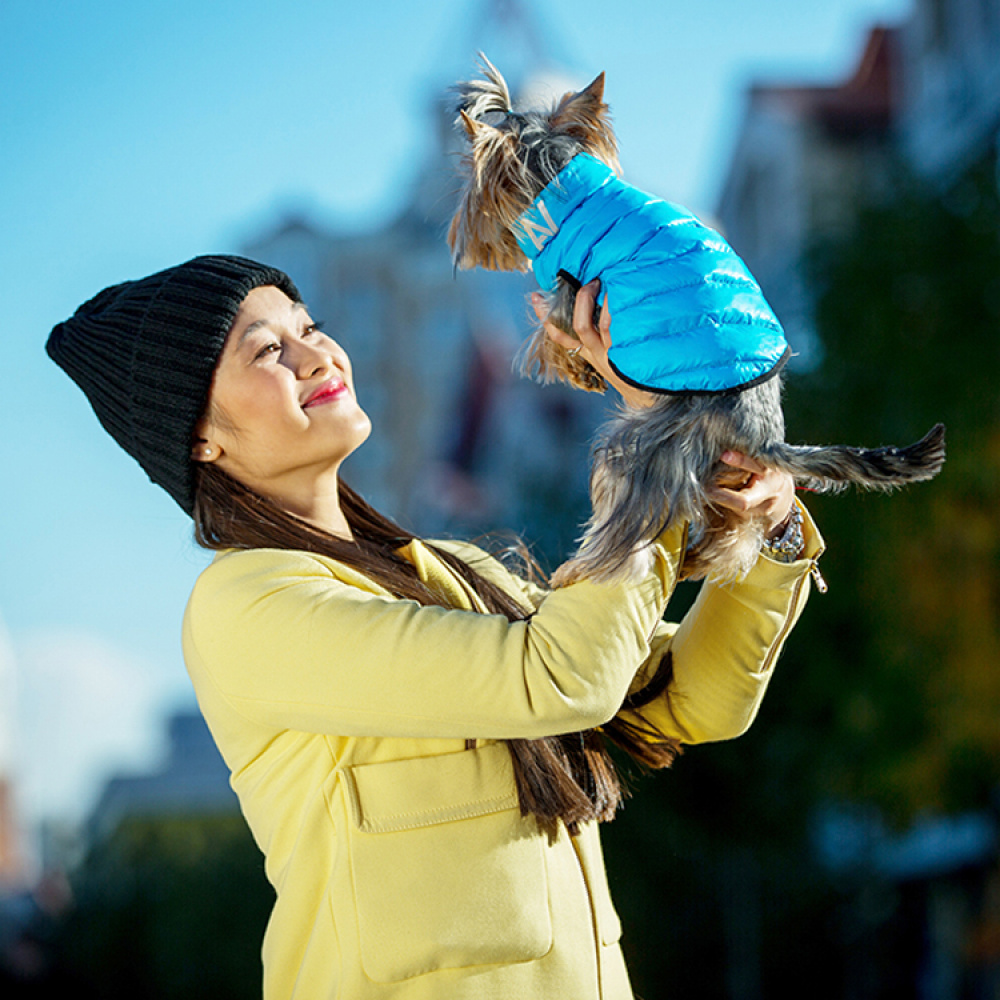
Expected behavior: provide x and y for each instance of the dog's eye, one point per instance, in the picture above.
(494, 118)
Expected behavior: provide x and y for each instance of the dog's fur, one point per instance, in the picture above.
(656, 466)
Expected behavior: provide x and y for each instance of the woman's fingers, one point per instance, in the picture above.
(740, 461)
(592, 341)
(766, 492)
(744, 498)
(561, 338)
(604, 324)
(583, 319)
(589, 341)
(564, 340)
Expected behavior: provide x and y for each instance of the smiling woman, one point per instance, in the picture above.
(282, 414)
(417, 736)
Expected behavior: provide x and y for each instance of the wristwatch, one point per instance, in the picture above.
(788, 546)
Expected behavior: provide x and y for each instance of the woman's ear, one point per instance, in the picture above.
(205, 451)
(203, 447)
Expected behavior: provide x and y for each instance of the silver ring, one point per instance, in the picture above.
(576, 350)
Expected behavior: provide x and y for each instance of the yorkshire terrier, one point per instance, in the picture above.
(542, 191)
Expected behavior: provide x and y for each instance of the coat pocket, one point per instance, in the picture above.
(447, 873)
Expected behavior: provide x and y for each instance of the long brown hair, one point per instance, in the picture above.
(569, 777)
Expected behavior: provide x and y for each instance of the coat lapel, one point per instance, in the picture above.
(441, 578)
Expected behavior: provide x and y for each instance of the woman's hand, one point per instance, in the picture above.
(760, 491)
(763, 491)
(593, 342)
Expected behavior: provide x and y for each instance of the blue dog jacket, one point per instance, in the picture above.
(687, 315)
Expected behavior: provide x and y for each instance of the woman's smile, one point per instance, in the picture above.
(329, 392)
(277, 373)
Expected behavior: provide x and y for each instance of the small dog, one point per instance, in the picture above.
(542, 190)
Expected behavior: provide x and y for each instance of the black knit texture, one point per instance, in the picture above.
(143, 352)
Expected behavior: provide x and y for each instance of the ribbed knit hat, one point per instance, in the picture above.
(144, 353)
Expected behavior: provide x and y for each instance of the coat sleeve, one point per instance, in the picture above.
(724, 650)
(289, 646)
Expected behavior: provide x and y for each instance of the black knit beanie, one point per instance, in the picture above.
(144, 353)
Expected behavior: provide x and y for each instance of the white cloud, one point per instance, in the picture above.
(84, 709)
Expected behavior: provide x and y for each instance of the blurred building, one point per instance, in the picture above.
(804, 156)
(928, 898)
(193, 780)
(924, 100)
(462, 443)
(949, 85)
(12, 861)
(11, 864)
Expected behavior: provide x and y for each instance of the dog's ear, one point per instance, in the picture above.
(473, 127)
(586, 117)
(595, 91)
(586, 102)
(496, 192)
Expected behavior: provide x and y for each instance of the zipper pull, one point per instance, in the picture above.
(818, 578)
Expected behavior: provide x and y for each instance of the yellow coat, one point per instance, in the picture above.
(401, 863)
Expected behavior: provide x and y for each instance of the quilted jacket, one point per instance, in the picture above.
(688, 315)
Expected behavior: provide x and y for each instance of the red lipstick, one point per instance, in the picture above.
(326, 393)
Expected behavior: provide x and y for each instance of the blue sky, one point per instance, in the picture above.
(136, 135)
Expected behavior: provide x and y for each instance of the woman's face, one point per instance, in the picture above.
(281, 411)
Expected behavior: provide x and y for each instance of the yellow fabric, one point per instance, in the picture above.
(401, 863)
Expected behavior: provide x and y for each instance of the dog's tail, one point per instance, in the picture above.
(834, 468)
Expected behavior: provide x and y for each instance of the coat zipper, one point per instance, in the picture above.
(787, 625)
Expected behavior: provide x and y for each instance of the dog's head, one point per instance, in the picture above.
(512, 156)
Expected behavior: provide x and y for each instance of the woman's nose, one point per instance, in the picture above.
(311, 360)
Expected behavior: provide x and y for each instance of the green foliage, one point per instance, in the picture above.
(169, 907)
(906, 644)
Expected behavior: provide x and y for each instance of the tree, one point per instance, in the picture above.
(908, 640)
(168, 907)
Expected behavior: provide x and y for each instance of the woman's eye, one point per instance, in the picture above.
(313, 328)
(267, 349)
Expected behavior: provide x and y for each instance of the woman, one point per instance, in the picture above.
(415, 734)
